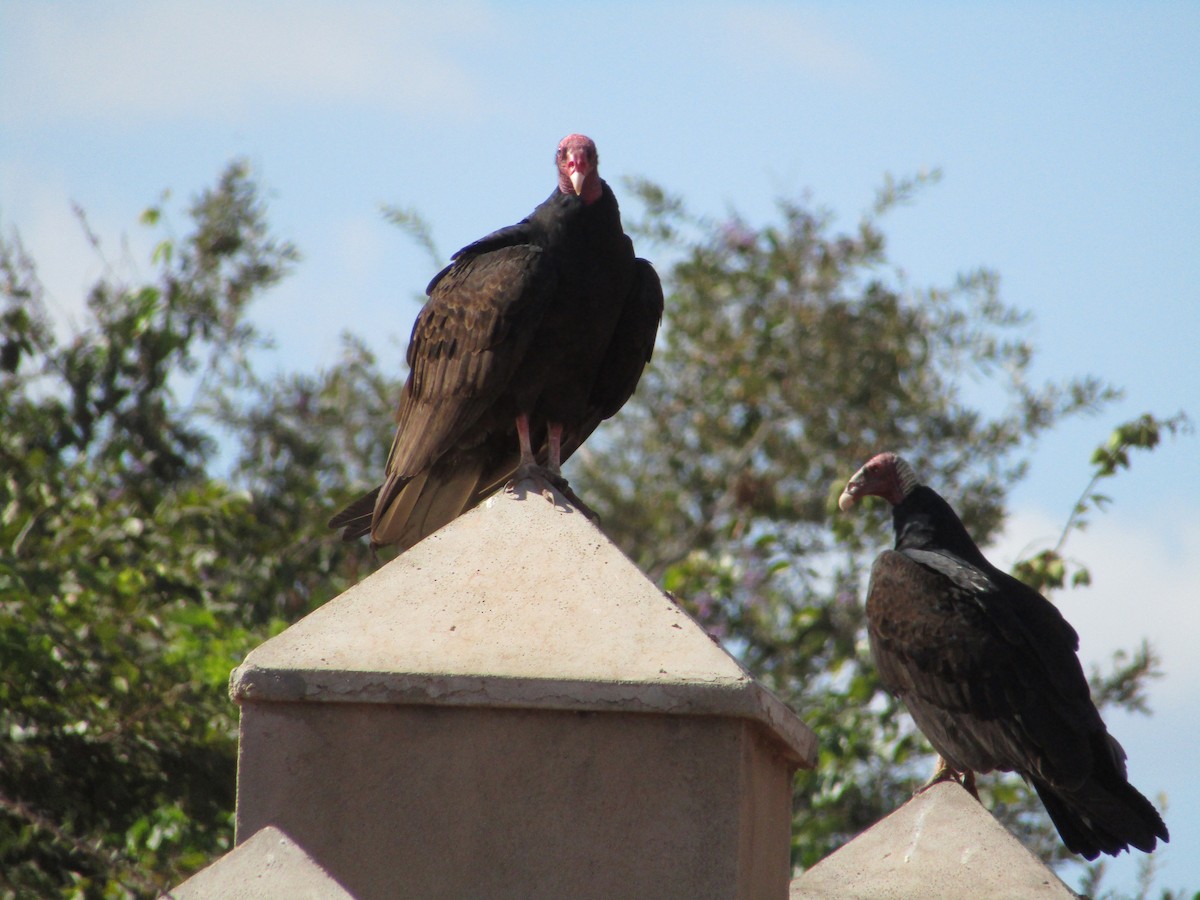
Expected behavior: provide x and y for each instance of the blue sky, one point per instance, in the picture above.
(1068, 134)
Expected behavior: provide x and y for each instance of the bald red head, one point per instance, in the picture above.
(579, 167)
(886, 475)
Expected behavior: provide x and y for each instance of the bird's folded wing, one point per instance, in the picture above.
(942, 636)
(466, 345)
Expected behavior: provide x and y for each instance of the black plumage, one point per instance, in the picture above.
(989, 670)
(531, 337)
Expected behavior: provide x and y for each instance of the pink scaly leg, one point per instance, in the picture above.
(527, 458)
(554, 462)
(528, 468)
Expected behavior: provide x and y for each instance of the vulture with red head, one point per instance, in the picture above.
(531, 337)
(988, 669)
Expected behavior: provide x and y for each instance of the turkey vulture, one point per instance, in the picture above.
(531, 337)
(987, 667)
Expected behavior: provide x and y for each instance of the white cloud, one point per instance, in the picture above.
(764, 37)
(227, 59)
(1144, 577)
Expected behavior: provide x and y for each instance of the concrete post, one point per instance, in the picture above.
(511, 709)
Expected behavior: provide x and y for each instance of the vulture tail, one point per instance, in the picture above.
(430, 500)
(1103, 815)
(355, 519)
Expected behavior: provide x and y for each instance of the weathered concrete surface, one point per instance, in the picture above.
(518, 603)
(510, 709)
(942, 843)
(425, 801)
(268, 866)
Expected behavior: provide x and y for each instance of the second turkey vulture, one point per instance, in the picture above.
(988, 669)
(531, 337)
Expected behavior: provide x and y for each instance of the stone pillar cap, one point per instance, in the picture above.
(941, 843)
(268, 866)
(519, 603)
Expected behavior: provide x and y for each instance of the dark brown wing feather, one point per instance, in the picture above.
(355, 519)
(465, 346)
(976, 687)
(631, 347)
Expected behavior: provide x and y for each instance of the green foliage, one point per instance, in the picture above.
(131, 579)
(1048, 569)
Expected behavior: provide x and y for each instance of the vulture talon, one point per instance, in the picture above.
(547, 483)
(538, 475)
(945, 772)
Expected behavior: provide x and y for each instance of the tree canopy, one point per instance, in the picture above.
(163, 507)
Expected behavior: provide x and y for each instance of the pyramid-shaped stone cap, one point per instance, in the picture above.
(941, 843)
(268, 866)
(521, 603)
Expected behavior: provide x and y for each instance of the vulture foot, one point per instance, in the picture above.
(945, 772)
(546, 482)
(542, 479)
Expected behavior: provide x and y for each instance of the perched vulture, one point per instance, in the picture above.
(988, 669)
(531, 337)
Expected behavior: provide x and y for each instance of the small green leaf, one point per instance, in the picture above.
(163, 252)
